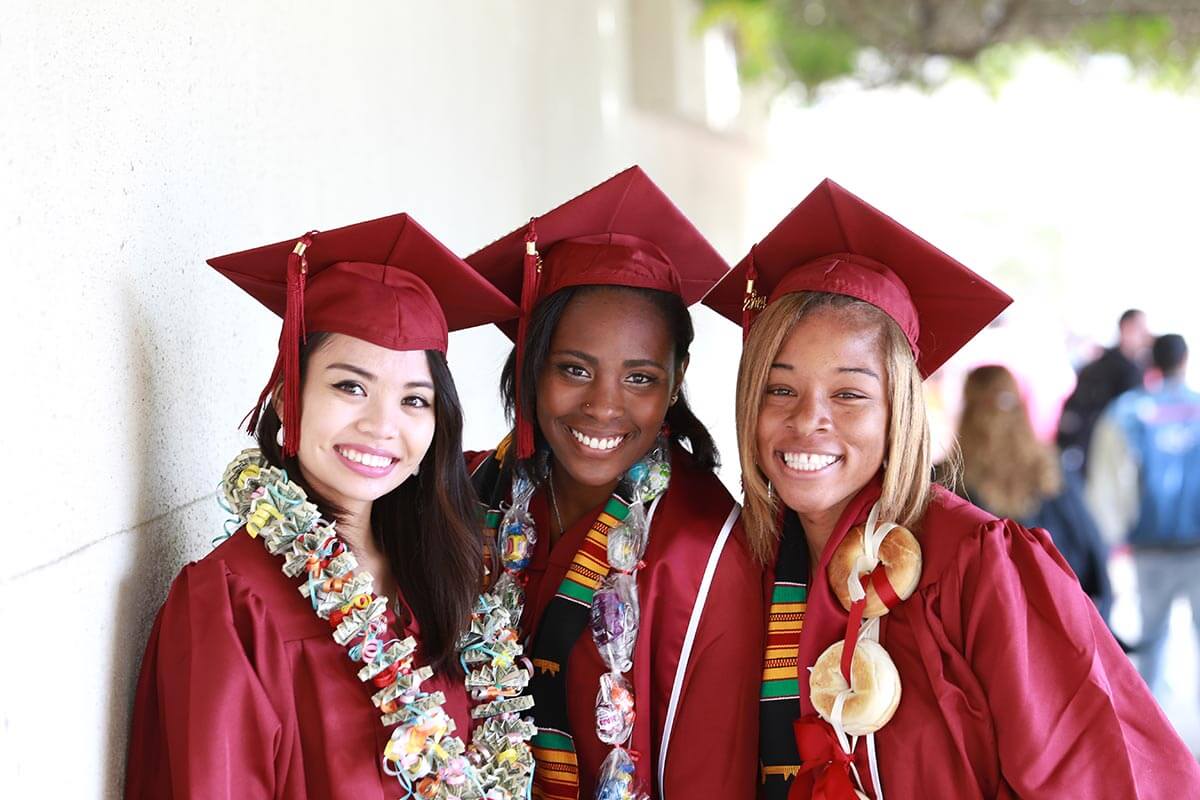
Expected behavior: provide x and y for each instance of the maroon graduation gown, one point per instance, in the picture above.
(1012, 685)
(244, 693)
(711, 702)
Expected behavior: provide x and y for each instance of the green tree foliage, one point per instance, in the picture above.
(809, 43)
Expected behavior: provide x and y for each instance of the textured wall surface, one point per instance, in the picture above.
(136, 139)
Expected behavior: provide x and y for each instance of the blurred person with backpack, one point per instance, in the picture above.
(1144, 484)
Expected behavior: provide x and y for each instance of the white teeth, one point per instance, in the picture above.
(366, 459)
(808, 462)
(595, 443)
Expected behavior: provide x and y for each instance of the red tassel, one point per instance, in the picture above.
(529, 285)
(753, 301)
(250, 421)
(289, 345)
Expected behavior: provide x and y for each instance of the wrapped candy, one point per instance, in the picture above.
(650, 476)
(615, 620)
(618, 778)
(627, 541)
(517, 533)
(614, 709)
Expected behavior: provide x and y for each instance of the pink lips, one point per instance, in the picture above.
(363, 469)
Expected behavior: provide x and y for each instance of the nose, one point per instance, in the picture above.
(380, 420)
(603, 401)
(810, 414)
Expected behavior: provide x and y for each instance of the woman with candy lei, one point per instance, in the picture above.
(319, 651)
(880, 581)
(605, 506)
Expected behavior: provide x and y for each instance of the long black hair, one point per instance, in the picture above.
(686, 429)
(426, 526)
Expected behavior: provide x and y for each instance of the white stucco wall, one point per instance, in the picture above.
(138, 138)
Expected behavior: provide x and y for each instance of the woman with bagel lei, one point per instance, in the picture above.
(336, 643)
(917, 646)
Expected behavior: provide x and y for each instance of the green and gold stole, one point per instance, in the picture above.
(779, 699)
(565, 618)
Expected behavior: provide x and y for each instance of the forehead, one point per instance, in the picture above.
(833, 339)
(616, 323)
(399, 366)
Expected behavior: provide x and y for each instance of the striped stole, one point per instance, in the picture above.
(779, 698)
(565, 618)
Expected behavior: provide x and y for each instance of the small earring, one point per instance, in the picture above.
(279, 436)
(674, 398)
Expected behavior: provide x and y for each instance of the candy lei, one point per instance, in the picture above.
(423, 755)
(615, 613)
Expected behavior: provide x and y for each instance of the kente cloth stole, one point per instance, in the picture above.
(569, 612)
(779, 698)
(567, 615)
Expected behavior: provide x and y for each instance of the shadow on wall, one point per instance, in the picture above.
(160, 545)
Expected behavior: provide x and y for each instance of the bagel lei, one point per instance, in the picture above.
(854, 685)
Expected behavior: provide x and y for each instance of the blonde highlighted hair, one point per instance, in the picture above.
(907, 455)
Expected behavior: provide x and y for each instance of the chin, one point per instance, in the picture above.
(354, 491)
(591, 474)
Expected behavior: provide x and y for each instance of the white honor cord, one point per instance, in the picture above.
(848, 744)
(873, 760)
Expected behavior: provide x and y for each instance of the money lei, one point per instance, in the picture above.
(425, 757)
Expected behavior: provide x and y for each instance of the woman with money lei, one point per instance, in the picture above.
(336, 643)
(917, 646)
(635, 570)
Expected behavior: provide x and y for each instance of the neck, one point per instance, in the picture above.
(571, 500)
(354, 528)
(817, 530)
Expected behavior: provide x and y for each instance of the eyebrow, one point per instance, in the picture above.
(591, 359)
(370, 376)
(857, 370)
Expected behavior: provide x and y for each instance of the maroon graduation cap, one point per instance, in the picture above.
(623, 232)
(387, 281)
(834, 242)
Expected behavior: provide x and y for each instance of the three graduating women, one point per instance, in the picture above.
(613, 634)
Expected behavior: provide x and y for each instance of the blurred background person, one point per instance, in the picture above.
(1116, 371)
(1145, 479)
(1008, 472)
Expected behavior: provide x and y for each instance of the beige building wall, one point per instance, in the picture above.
(137, 139)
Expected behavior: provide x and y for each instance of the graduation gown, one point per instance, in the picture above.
(1012, 685)
(244, 693)
(697, 663)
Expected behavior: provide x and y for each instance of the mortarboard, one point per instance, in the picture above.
(387, 281)
(834, 242)
(623, 232)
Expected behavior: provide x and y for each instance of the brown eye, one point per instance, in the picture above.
(573, 370)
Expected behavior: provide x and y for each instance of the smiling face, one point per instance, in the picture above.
(606, 384)
(367, 419)
(823, 419)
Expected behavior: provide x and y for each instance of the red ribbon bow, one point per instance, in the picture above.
(821, 754)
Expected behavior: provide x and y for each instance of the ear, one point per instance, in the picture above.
(277, 400)
(680, 371)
